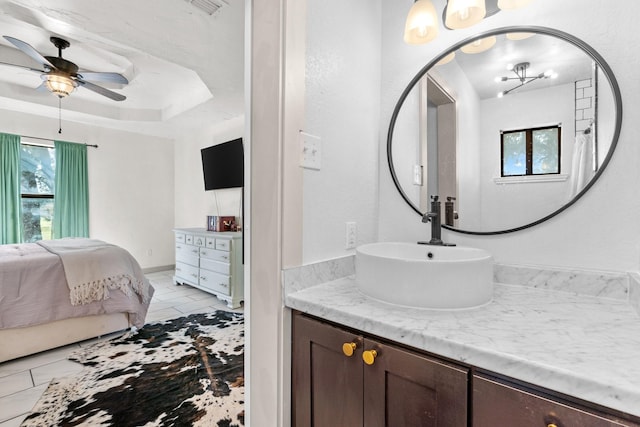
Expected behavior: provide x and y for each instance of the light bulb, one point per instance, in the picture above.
(464, 13)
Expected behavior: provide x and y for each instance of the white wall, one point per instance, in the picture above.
(511, 205)
(342, 108)
(130, 184)
(192, 203)
(601, 230)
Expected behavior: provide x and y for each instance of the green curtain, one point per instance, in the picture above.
(10, 203)
(71, 202)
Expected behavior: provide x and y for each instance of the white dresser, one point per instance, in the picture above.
(211, 261)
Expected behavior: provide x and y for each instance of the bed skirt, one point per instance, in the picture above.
(18, 342)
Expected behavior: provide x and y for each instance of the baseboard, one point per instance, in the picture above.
(159, 268)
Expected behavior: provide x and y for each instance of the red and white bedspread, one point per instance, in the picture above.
(34, 290)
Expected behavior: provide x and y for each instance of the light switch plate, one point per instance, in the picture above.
(417, 175)
(311, 156)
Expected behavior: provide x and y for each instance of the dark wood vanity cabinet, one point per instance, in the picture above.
(403, 388)
(398, 388)
(500, 403)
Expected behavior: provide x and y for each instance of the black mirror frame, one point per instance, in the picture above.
(529, 29)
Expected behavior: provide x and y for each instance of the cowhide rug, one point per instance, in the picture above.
(182, 372)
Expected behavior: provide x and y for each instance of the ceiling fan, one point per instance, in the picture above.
(61, 76)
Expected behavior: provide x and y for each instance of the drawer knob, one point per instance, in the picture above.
(348, 348)
(552, 421)
(369, 356)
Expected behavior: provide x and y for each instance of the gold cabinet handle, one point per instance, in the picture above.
(369, 356)
(551, 420)
(348, 348)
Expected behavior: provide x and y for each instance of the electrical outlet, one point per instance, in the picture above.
(351, 235)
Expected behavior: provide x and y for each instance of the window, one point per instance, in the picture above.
(37, 178)
(531, 151)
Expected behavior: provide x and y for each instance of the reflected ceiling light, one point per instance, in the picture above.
(422, 23)
(520, 70)
(447, 59)
(519, 36)
(59, 84)
(512, 4)
(479, 45)
(464, 13)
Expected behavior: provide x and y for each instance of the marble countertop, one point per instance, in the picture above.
(583, 346)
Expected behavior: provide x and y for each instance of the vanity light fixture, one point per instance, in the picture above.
(464, 13)
(479, 45)
(519, 36)
(520, 70)
(422, 21)
(447, 59)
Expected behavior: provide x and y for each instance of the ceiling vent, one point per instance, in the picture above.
(208, 6)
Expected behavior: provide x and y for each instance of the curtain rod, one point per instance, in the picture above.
(49, 139)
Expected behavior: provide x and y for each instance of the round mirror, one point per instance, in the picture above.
(509, 128)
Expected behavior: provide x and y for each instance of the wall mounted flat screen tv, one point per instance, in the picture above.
(223, 165)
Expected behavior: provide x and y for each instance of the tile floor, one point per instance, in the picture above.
(22, 381)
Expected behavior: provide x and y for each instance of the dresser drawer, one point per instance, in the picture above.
(213, 254)
(216, 266)
(189, 250)
(214, 281)
(180, 237)
(210, 242)
(187, 272)
(223, 245)
(199, 240)
(188, 259)
(189, 239)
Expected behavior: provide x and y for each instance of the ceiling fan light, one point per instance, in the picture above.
(464, 13)
(479, 45)
(60, 85)
(512, 4)
(422, 23)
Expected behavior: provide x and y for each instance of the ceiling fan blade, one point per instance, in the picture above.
(94, 76)
(29, 50)
(42, 88)
(102, 91)
(23, 67)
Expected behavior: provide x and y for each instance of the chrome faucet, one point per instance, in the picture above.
(433, 216)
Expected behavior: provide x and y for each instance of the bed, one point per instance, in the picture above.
(58, 292)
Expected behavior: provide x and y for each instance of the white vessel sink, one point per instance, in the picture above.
(425, 276)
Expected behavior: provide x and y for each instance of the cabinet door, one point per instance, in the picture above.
(326, 384)
(403, 388)
(497, 404)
